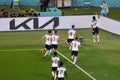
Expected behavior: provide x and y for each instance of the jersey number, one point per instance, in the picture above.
(48, 39)
(75, 45)
(61, 71)
(54, 39)
(71, 33)
(56, 61)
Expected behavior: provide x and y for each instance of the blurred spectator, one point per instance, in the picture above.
(104, 11)
(12, 3)
(5, 14)
(10, 14)
(43, 4)
(27, 13)
(34, 14)
(1, 13)
(17, 15)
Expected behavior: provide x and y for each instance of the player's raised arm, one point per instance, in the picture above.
(42, 38)
(98, 15)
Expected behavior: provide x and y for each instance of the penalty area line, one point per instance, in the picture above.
(77, 66)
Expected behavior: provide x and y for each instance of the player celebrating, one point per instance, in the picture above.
(48, 38)
(75, 44)
(95, 30)
(55, 60)
(55, 40)
(61, 71)
(71, 35)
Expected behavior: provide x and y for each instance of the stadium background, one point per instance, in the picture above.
(110, 3)
(19, 60)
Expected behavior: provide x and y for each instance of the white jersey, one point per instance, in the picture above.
(55, 60)
(48, 39)
(61, 71)
(75, 45)
(94, 23)
(55, 39)
(71, 34)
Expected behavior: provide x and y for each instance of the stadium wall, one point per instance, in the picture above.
(60, 22)
(97, 3)
(43, 23)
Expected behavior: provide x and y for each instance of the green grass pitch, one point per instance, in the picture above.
(102, 60)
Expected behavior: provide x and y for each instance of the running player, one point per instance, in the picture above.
(71, 35)
(48, 41)
(95, 30)
(75, 44)
(55, 40)
(61, 71)
(55, 60)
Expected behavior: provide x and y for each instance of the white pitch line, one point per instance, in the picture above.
(19, 50)
(59, 54)
(77, 66)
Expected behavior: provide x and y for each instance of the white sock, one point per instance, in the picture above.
(55, 76)
(52, 73)
(98, 38)
(75, 59)
(72, 56)
(46, 52)
(50, 52)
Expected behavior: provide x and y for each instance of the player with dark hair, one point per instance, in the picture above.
(55, 40)
(95, 30)
(75, 44)
(55, 60)
(61, 71)
(71, 35)
(48, 38)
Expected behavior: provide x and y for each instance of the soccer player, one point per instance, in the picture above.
(95, 30)
(61, 71)
(75, 44)
(55, 40)
(104, 11)
(48, 41)
(71, 35)
(55, 60)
